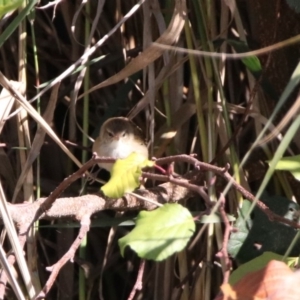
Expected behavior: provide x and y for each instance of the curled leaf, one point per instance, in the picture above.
(125, 175)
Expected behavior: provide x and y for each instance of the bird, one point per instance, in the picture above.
(118, 138)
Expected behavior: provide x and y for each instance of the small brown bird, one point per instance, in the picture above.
(118, 138)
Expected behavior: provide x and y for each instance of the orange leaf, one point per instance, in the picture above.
(273, 282)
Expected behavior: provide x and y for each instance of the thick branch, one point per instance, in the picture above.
(76, 207)
(81, 208)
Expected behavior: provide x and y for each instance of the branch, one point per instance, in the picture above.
(81, 208)
(84, 228)
(139, 283)
(76, 207)
(223, 253)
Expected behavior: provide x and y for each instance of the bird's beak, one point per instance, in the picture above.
(116, 137)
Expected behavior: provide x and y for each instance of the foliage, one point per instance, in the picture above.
(275, 279)
(160, 233)
(125, 175)
(8, 6)
(258, 263)
(181, 70)
(259, 234)
(291, 164)
(294, 4)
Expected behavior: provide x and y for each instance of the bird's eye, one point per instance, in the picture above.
(123, 134)
(110, 134)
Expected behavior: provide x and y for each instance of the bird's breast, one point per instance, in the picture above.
(117, 149)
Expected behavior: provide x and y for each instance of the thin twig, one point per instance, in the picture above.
(139, 283)
(223, 253)
(11, 258)
(84, 228)
(175, 189)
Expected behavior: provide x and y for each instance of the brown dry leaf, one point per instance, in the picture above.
(6, 103)
(36, 116)
(273, 282)
(38, 140)
(151, 53)
(165, 134)
(165, 72)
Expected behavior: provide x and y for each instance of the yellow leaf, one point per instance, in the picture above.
(125, 175)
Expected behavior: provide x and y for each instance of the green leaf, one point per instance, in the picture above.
(279, 153)
(255, 265)
(7, 6)
(285, 143)
(294, 4)
(237, 238)
(125, 175)
(259, 234)
(291, 164)
(8, 31)
(160, 233)
(251, 62)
